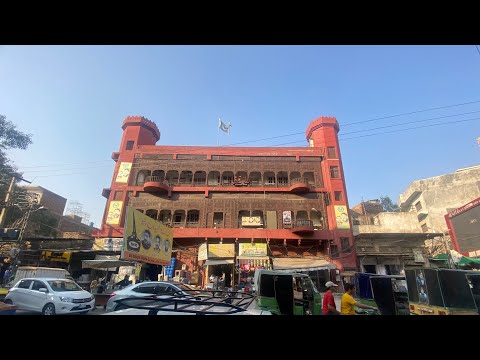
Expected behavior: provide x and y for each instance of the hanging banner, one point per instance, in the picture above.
(202, 252)
(114, 211)
(146, 240)
(341, 215)
(221, 251)
(56, 256)
(123, 172)
(287, 218)
(251, 221)
(108, 244)
(253, 250)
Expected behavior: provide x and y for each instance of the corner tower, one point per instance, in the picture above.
(323, 133)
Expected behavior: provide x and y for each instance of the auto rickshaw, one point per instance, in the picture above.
(390, 294)
(286, 293)
(440, 292)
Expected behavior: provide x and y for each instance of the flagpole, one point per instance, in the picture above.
(218, 128)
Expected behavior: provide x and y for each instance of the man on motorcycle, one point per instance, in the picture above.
(349, 303)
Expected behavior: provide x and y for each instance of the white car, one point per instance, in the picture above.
(50, 296)
(186, 304)
(147, 288)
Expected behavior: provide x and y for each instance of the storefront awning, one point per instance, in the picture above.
(105, 264)
(219, 262)
(302, 264)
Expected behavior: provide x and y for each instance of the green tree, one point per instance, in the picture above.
(10, 138)
(388, 204)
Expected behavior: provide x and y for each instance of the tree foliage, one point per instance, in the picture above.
(10, 138)
(388, 204)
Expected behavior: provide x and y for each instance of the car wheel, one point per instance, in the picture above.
(8, 301)
(48, 309)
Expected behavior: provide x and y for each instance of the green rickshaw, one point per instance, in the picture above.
(286, 293)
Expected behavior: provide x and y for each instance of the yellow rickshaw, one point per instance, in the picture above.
(441, 292)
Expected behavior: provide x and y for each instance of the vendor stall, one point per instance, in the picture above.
(251, 256)
(103, 290)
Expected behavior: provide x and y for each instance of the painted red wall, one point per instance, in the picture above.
(323, 131)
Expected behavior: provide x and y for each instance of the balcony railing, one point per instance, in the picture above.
(299, 181)
(300, 185)
(303, 223)
(158, 179)
(227, 183)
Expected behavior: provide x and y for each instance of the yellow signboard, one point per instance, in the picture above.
(251, 221)
(123, 172)
(341, 214)
(56, 256)
(146, 240)
(108, 244)
(221, 251)
(248, 249)
(114, 211)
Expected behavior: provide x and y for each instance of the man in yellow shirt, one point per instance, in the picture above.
(349, 303)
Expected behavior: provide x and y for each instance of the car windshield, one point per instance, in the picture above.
(63, 285)
(190, 289)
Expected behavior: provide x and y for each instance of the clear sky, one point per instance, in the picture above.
(73, 100)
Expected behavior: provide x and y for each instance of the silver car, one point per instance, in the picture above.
(147, 288)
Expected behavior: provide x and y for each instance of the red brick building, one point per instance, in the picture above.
(293, 199)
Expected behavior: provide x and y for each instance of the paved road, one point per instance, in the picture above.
(98, 311)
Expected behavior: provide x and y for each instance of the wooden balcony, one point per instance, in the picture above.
(302, 227)
(154, 184)
(300, 185)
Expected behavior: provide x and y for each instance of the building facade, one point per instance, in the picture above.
(432, 198)
(387, 243)
(53, 202)
(293, 199)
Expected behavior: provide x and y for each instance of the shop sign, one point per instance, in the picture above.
(341, 215)
(287, 218)
(56, 256)
(202, 252)
(146, 240)
(221, 251)
(108, 244)
(251, 221)
(253, 250)
(123, 172)
(114, 211)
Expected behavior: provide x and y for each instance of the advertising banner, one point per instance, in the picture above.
(146, 240)
(341, 215)
(221, 251)
(253, 250)
(114, 211)
(123, 172)
(251, 221)
(287, 218)
(202, 252)
(56, 256)
(108, 244)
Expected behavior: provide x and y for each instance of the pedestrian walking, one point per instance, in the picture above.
(328, 305)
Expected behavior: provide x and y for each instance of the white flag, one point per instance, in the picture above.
(224, 127)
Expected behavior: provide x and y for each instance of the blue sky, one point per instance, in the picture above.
(73, 100)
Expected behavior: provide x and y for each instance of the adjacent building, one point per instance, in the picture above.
(52, 201)
(432, 198)
(285, 206)
(387, 243)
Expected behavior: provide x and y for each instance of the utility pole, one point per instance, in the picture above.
(3, 214)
